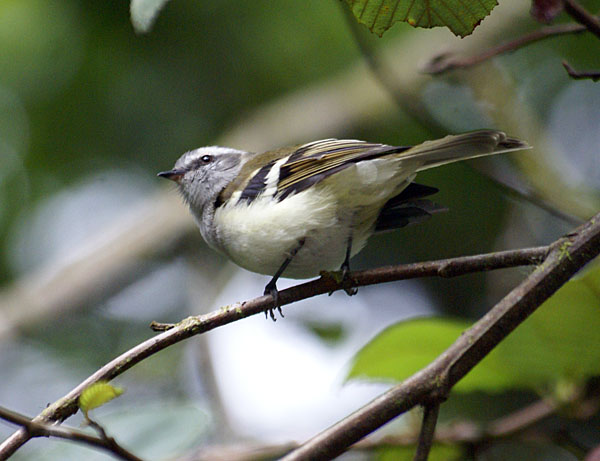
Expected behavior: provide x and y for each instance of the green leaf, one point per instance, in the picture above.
(556, 348)
(404, 348)
(97, 395)
(407, 347)
(460, 16)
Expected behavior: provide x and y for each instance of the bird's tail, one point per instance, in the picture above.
(453, 148)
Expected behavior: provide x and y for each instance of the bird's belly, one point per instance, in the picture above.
(321, 251)
(261, 235)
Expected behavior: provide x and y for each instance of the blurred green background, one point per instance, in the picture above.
(94, 246)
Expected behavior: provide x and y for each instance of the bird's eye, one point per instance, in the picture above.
(206, 158)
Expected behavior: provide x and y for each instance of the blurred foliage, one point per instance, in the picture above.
(438, 453)
(461, 17)
(150, 430)
(90, 111)
(81, 94)
(328, 333)
(526, 450)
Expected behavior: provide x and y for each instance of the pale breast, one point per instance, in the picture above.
(259, 236)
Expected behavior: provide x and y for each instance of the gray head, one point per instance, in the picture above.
(203, 173)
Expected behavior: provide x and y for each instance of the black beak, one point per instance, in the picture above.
(173, 175)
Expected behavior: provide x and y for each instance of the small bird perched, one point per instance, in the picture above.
(297, 211)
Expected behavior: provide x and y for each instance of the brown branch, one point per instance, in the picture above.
(579, 75)
(582, 16)
(38, 429)
(591, 23)
(430, 417)
(436, 380)
(66, 406)
(445, 268)
(447, 61)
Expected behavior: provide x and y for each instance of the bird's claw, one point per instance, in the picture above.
(271, 289)
(342, 278)
(350, 290)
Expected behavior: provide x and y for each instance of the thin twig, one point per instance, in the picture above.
(448, 61)
(568, 256)
(430, 417)
(591, 23)
(445, 268)
(40, 429)
(521, 419)
(582, 16)
(579, 75)
(191, 326)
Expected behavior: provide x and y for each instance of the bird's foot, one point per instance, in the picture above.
(346, 281)
(271, 289)
(341, 278)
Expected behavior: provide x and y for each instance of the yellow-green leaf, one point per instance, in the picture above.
(97, 395)
(460, 16)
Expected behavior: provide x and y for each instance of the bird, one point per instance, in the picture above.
(303, 210)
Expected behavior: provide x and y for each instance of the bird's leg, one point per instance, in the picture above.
(271, 288)
(345, 268)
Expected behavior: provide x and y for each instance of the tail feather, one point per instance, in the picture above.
(431, 154)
